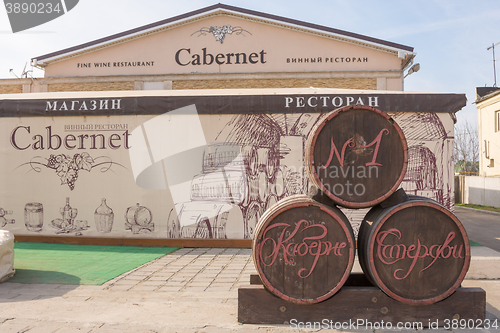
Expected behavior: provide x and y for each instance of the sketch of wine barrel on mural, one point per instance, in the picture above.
(416, 251)
(205, 220)
(430, 156)
(253, 164)
(139, 219)
(422, 176)
(270, 162)
(215, 195)
(252, 215)
(357, 155)
(303, 250)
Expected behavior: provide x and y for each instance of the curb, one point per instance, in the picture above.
(478, 210)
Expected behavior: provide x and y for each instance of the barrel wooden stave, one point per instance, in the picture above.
(357, 155)
(329, 272)
(33, 216)
(418, 220)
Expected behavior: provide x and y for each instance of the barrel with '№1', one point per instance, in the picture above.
(416, 251)
(303, 249)
(357, 155)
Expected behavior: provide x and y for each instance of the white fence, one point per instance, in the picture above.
(478, 190)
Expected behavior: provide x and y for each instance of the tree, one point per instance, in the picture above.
(466, 153)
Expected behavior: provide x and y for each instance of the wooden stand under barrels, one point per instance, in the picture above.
(414, 252)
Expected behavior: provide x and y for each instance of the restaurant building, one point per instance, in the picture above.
(222, 47)
(185, 131)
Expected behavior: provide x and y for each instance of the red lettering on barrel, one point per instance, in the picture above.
(388, 255)
(351, 143)
(309, 246)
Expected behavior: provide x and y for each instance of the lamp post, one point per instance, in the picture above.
(415, 68)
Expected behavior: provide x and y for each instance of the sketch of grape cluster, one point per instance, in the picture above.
(67, 167)
(220, 32)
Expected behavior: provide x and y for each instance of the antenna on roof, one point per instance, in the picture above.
(24, 73)
(11, 71)
(492, 47)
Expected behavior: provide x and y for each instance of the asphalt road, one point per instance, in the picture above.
(483, 228)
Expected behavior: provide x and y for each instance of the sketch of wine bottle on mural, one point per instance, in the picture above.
(68, 223)
(104, 217)
(31, 13)
(4, 221)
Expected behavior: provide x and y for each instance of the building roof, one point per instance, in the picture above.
(484, 93)
(221, 9)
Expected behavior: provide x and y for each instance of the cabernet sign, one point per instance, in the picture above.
(184, 57)
(22, 138)
(225, 44)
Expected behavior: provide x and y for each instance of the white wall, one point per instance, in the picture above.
(489, 137)
(481, 191)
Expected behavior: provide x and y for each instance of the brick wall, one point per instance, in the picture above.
(341, 83)
(95, 86)
(11, 89)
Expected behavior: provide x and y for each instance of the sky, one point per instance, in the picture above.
(450, 37)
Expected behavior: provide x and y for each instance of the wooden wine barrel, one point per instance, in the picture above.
(357, 155)
(417, 251)
(303, 250)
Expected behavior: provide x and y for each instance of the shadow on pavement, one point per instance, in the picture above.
(29, 284)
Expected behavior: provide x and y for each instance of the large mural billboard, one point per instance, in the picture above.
(188, 166)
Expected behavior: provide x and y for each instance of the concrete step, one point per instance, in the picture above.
(485, 264)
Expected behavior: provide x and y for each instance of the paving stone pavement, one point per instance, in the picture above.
(189, 290)
(190, 270)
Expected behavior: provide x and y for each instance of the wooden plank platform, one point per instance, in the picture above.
(180, 242)
(357, 304)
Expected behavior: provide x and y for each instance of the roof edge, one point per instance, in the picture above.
(227, 8)
(488, 96)
(127, 32)
(319, 27)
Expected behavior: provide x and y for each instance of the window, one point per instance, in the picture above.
(497, 121)
(153, 85)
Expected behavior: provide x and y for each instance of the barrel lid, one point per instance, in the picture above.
(357, 155)
(418, 251)
(303, 250)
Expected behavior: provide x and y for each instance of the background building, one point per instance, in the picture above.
(488, 106)
(222, 47)
(485, 189)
